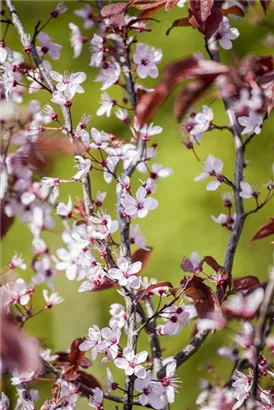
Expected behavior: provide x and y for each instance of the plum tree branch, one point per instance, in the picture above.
(29, 47)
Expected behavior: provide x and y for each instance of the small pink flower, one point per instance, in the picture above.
(212, 167)
(106, 105)
(251, 123)
(97, 46)
(51, 49)
(146, 59)
(96, 401)
(86, 14)
(65, 209)
(140, 206)
(76, 40)
(125, 273)
(130, 363)
(247, 191)
(151, 391)
(225, 34)
(245, 306)
(84, 166)
(52, 300)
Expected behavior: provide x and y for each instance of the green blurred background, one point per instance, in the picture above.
(182, 222)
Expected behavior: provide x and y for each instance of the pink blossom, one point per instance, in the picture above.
(69, 84)
(51, 49)
(137, 238)
(100, 139)
(251, 123)
(109, 74)
(245, 306)
(84, 166)
(46, 355)
(112, 338)
(140, 206)
(130, 363)
(65, 209)
(52, 300)
(170, 382)
(106, 105)
(100, 197)
(192, 264)
(151, 391)
(201, 123)
(76, 40)
(15, 292)
(212, 167)
(122, 115)
(146, 59)
(17, 262)
(225, 34)
(93, 342)
(241, 386)
(19, 378)
(86, 14)
(97, 46)
(225, 220)
(147, 131)
(247, 191)
(125, 273)
(68, 262)
(96, 401)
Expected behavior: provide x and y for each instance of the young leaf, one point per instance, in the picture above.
(183, 22)
(142, 256)
(264, 231)
(246, 283)
(147, 292)
(114, 9)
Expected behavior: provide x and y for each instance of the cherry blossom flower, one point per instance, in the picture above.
(109, 74)
(68, 262)
(170, 382)
(61, 99)
(51, 49)
(96, 401)
(201, 123)
(122, 115)
(84, 166)
(19, 378)
(125, 273)
(102, 226)
(247, 191)
(147, 131)
(100, 197)
(76, 40)
(86, 14)
(140, 206)
(106, 105)
(4, 402)
(118, 315)
(158, 171)
(245, 306)
(130, 363)
(100, 139)
(112, 338)
(192, 264)
(52, 300)
(150, 391)
(225, 220)
(65, 209)
(93, 342)
(137, 238)
(110, 384)
(46, 355)
(230, 353)
(146, 59)
(241, 386)
(176, 317)
(225, 34)
(212, 167)
(69, 84)
(15, 292)
(97, 46)
(252, 123)
(17, 262)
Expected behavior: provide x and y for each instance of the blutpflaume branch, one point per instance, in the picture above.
(29, 47)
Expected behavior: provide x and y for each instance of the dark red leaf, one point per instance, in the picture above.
(147, 4)
(170, 4)
(150, 12)
(188, 96)
(87, 380)
(142, 256)
(76, 355)
(246, 283)
(146, 292)
(203, 297)
(183, 22)
(210, 261)
(266, 82)
(201, 9)
(212, 22)
(264, 231)
(265, 4)
(114, 9)
(188, 68)
(236, 10)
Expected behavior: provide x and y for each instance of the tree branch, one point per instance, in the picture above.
(26, 42)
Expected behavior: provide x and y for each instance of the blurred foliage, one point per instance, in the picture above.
(182, 223)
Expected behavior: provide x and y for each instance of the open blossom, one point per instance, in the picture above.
(46, 355)
(106, 105)
(126, 273)
(109, 74)
(96, 400)
(97, 47)
(147, 131)
(76, 40)
(225, 220)
(19, 378)
(201, 123)
(48, 48)
(86, 14)
(247, 191)
(52, 300)
(212, 167)
(93, 342)
(151, 391)
(65, 209)
(100, 139)
(112, 338)
(170, 381)
(192, 264)
(176, 317)
(241, 387)
(84, 166)
(146, 59)
(251, 123)
(17, 262)
(130, 363)
(140, 206)
(245, 306)
(14, 292)
(68, 262)
(225, 34)
(69, 84)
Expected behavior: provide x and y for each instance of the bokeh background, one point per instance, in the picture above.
(182, 222)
